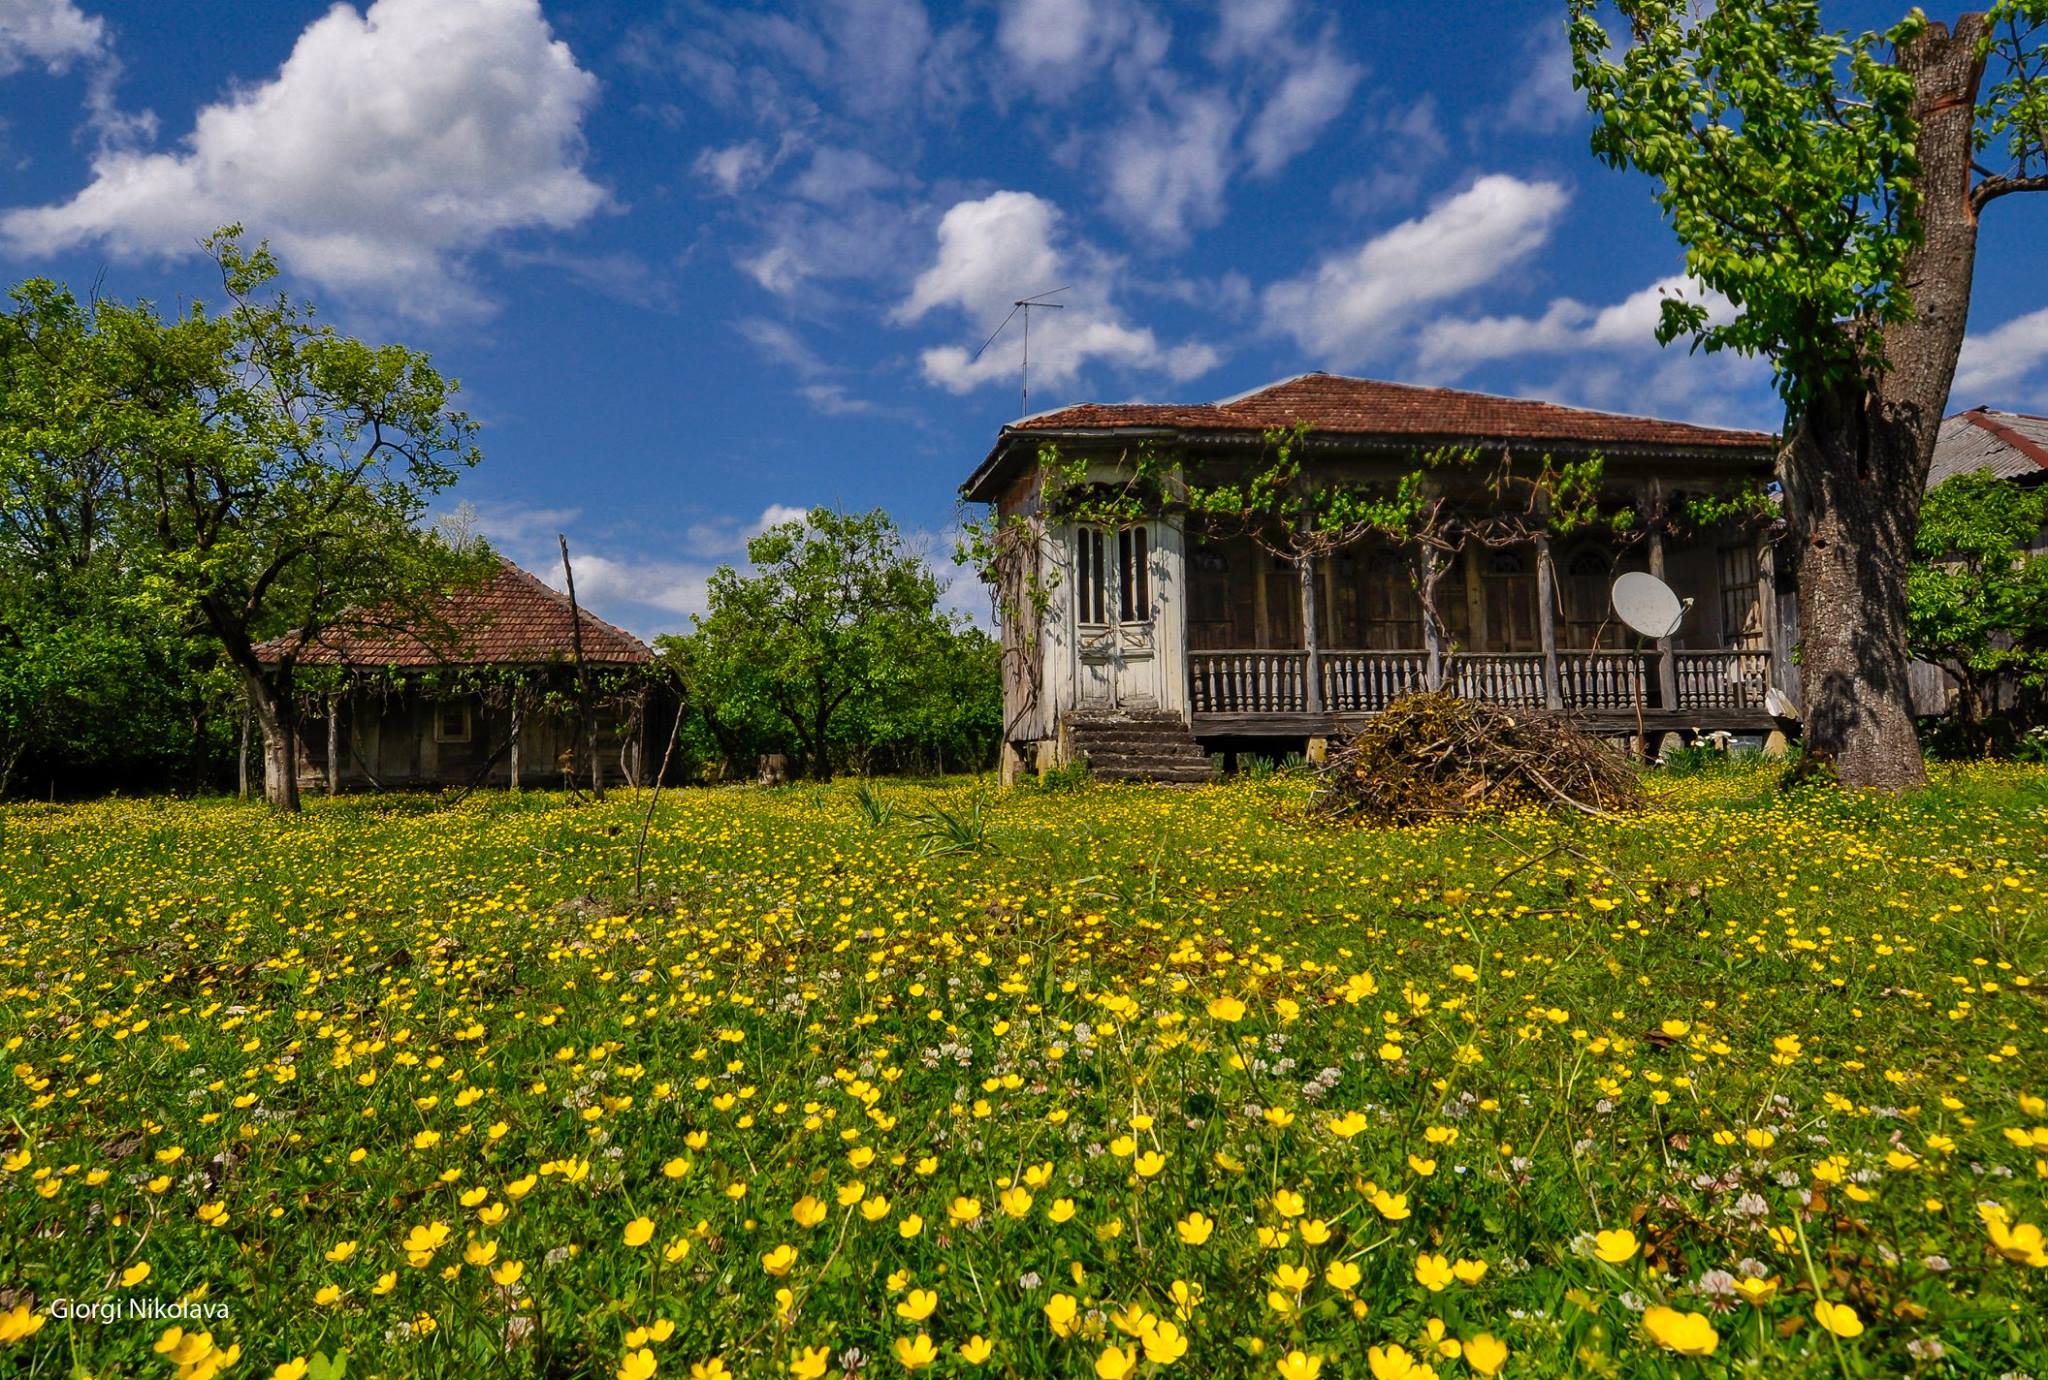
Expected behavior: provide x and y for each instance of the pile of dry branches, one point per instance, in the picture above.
(1432, 755)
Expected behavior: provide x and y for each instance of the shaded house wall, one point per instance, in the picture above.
(409, 739)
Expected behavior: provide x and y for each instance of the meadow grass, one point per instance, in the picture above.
(1108, 1082)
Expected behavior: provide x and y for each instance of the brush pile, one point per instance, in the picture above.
(1433, 755)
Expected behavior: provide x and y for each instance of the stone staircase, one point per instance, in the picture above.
(1138, 745)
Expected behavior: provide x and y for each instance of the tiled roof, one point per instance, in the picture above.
(511, 619)
(1334, 405)
(2012, 445)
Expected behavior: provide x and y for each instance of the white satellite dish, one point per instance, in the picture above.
(1647, 604)
(1778, 704)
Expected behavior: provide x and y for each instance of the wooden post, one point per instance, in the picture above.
(582, 674)
(1311, 641)
(1432, 618)
(333, 744)
(1262, 624)
(515, 739)
(1546, 622)
(1667, 664)
(242, 757)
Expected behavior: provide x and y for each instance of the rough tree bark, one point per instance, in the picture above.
(1856, 466)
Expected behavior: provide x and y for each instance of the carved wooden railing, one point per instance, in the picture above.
(1722, 679)
(1250, 682)
(1512, 678)
(1606, 680)
(1362, 682)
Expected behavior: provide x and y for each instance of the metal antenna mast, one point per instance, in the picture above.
(1024, 304)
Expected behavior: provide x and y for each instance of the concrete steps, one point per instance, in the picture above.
(1138, 745)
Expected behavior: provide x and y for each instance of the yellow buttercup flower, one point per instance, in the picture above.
(1115, 1363)
(1688, 1334)
(917, 1305)
(1299, 1365)
(1195, 1228)
(1615, 1246)
(638, 1365)
(811, 1363)
(639, 1231)
(1229, 1010)
(976, 1349)
(915, 1353)
(1433, 1272)
(1838, 1318)
(964, 1210)
(1486, 1354)
(778, 1261)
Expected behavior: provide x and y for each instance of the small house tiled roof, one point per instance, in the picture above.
(510, 619)
(1333, 405)
(2012, 445)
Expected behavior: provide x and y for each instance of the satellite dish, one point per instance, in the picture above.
(1778, 704)
(1647, 604)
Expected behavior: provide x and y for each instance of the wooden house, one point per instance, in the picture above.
(480, 689)
(1145, 646)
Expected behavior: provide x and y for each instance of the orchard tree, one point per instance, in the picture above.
(1829, 186)
(833, 623)
(268, 473)
(1977, 602)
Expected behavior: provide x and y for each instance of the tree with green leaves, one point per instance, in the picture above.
(831, 631)
(1828, 186)
(264, 473)
(1977, 599)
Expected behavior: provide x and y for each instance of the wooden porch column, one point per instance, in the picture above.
(1432, 637)
(333, 744)
(515, 740)
(1546, 622)
(1667, 664)
(1312, 689)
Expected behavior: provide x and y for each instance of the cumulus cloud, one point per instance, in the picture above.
(1451, 346)
(1166, 170)
(1359, 304)
(2002, 362)
(1313, 93)
(1003, 246)
(1543, 101)
(392, 142)
(53, 34)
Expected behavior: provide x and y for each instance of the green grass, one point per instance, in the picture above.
(1797, 1038)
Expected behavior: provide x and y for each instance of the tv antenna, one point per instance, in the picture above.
(1025, 305)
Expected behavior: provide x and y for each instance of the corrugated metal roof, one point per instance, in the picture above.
(2012, 445)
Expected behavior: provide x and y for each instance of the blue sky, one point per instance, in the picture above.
(698, 265)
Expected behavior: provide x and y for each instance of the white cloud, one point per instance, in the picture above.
(392, 142)
(1356, 305)
(1543, 101)
(1313, 93)
(1451, 346)
(1250, 27)
(1998, 362)
(735, 167)
(1058, 47)
(1165, 171)
(51, 33)
(1007, 245)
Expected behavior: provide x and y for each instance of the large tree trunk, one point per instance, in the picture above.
(1856, 466)
(280, 742)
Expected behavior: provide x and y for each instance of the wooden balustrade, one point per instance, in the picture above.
(1606, 680)
(1363, 682)
(1733, 679)
(1248, 682)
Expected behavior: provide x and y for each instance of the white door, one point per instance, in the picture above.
(1115, 617)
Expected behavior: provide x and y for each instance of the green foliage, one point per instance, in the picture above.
(1785, 156)
(832, 646)
(180, 488)
(1977, 598)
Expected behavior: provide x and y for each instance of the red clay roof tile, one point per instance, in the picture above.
(510, 619)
